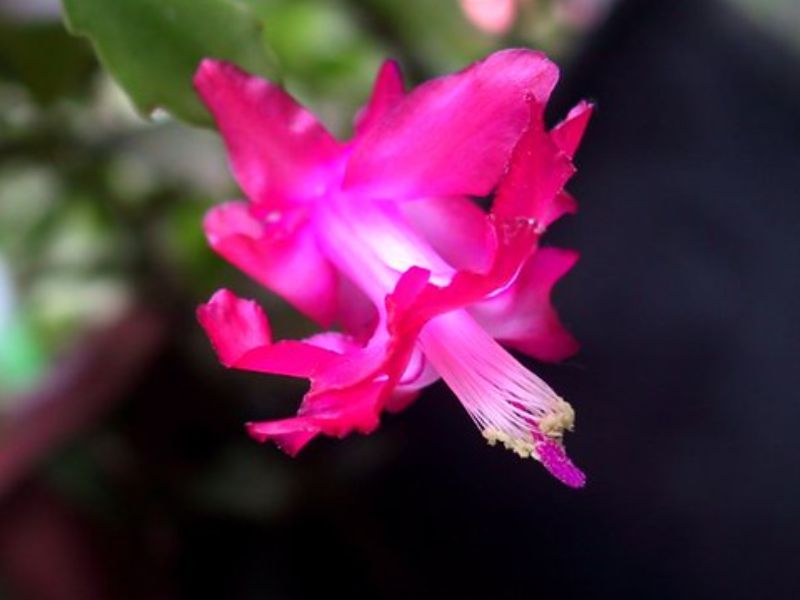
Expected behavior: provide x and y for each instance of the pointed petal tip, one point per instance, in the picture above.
(288, 435)
(233, 325)
(569, 133)
(207, 70)
(390, 68)
(253, 432)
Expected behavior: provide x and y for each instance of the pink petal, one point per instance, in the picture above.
(386, 94)
(452, 136)
(335, 413)
(523, 317)
(348, 393)
(233, 325)
(532, 186)
(401, 399)
(357, 314)
(278, 149)
(568, 134)
(456, 228)
(283, 256)
(415, 301)
(240, 334)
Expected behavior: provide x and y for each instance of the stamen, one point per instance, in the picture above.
(507, 402)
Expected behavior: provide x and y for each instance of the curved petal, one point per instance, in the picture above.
(529, 198)
(282, 255)
(346, 395)
(279, 151)
(523, 317)
(335, 413)
(233, 325)
(386, 93)
(456, 228)
(240, 333)
(452, 136)
(356, 313)
(532, 187)
(349, 393)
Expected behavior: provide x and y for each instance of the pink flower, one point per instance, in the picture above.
(491, 16)
(379, 236)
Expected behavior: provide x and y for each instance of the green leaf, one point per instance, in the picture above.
(153, 47)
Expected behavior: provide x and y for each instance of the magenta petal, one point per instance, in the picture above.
(568, 134)
(523, 317)
(240, 333)
(290, 435)
(535, 179)
(452, 136)
(335, 413)
(283, 256)
(357, 314)
(401, 399)
(233, 325)
(456, 228)
(278, 149)
(386, 93)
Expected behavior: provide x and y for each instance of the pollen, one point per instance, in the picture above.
(561, 419)
(522, 447)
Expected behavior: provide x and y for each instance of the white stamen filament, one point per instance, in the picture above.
(505, 400)
(370, 242)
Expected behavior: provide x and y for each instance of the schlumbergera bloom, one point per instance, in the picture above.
(380, 237)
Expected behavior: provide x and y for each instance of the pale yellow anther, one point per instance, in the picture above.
(562, 419)
(522, 447)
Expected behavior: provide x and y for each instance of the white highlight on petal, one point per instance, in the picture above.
(372, 243)
(505, 400)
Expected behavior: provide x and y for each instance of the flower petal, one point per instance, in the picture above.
(529, 198)
(456, 228)
(279, 151)
(386, 93)
(452, 136)
(335, 413)
(240, 333)
(523, 317)
(357, 314)
(233, 325)
(568, 134)
(535, 179)
(283, 256)
(348, 393)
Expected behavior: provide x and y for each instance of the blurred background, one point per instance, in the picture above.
(125, 471)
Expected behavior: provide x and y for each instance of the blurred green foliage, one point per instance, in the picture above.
(21, 356)
(152, 47)
(63, 69)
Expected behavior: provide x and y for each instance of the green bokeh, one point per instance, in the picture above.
(153, 47)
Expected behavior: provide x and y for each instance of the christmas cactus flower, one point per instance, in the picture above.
(380, 237)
